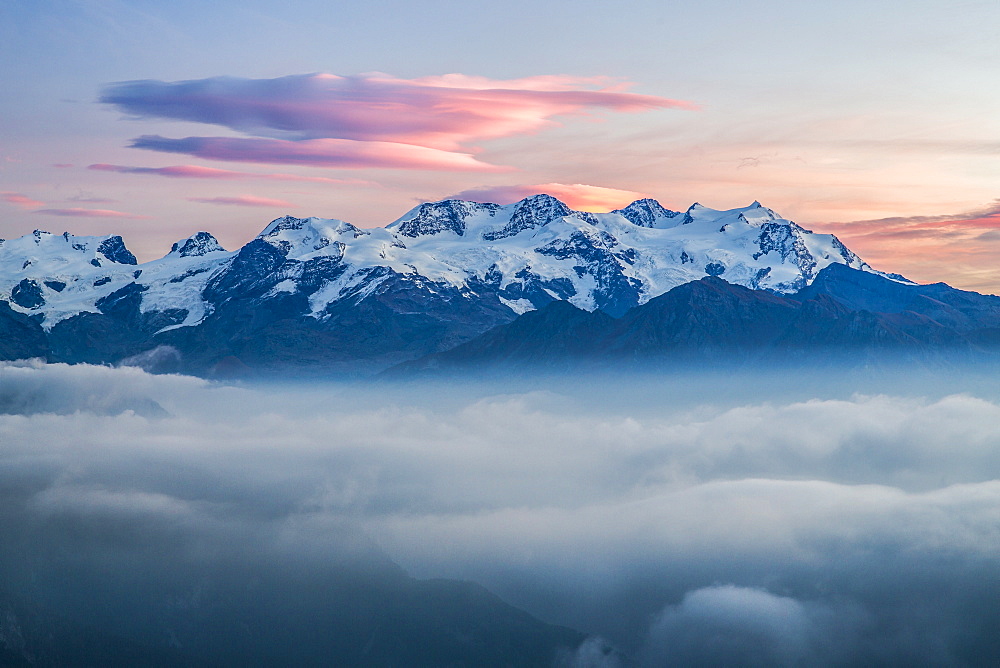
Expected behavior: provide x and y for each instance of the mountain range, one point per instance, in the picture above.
(711, 320)
(455, 282)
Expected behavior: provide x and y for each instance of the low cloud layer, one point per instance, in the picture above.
(678, 523)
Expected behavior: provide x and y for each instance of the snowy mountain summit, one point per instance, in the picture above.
(538, 250)
(451, 269)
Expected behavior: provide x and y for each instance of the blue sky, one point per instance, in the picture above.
(855, 118)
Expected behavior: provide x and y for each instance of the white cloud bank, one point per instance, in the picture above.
(817, 531)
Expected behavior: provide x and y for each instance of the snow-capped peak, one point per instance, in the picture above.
(530, 213)
(648, 213)
(67, 249)
(304, 235)
(520, 256)
(200, 243)
(450, 215)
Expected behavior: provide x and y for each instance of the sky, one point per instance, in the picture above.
(156, 120)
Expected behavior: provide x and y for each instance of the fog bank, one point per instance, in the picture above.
(772, 522)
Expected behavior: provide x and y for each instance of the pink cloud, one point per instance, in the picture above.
(342, 153)
(198, 172)
(444, 112)
(17, 199)
(88, 213)
(958, 248)
(577, 196)
(941, 226)
(243, 200)
(448, 114)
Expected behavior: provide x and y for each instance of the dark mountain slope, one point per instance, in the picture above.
(711, 320)
(960, 310)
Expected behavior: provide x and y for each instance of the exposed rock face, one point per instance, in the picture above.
(199, 244)
(113, 248)
(27, 294)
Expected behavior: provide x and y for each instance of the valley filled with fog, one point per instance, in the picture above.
(794, 517)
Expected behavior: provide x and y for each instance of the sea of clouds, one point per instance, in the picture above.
(685, 520)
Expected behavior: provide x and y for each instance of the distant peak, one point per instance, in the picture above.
(645, 212)
(529, 213)
(757, 213)
(542, 197)
(546, 206)
(447, 215)
(199, 243)
(283, 223)
(688, 218)
(279, 225)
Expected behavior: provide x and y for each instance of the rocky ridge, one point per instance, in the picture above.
(323, 292)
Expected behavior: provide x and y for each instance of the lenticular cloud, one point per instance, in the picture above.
(336, 153)
(17, 199)
(448, 113)
(200, 172)
(77, 212)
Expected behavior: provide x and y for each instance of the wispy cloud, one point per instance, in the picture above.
(341, 153)
(958, 248)
(576, 195)
(985, 217)
(18, 199)
(199, 172)
(445, 112)
(243, 200)
(448, 113)
(90, 199)
(88, 213)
